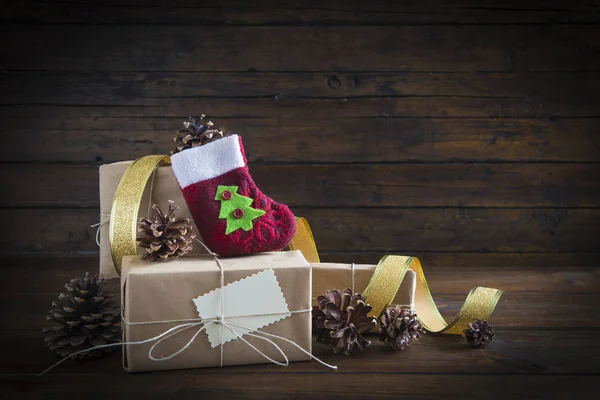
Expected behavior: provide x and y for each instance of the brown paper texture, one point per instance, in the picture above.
(165, 188)
(327, 276)
(161, 291)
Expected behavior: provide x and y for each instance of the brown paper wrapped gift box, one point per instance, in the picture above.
(153, 291)
(164, 188)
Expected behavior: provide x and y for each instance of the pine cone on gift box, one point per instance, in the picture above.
(399, 327)
(82, 318)
(195, 134)
(165, 236)
(340, 319)
(479, 333)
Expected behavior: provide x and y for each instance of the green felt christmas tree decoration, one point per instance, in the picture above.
(235, 209)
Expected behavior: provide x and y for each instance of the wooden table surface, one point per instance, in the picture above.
(546, 347)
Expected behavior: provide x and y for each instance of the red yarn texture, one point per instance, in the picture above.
(270, 232)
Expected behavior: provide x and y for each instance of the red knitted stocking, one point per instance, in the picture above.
(234, 217)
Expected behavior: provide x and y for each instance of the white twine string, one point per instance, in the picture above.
(202, 324)
(100, 225)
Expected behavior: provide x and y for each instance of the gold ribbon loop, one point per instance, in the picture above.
(388, 275)
(126, 205)
(304, 241)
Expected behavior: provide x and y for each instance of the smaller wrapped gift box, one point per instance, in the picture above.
(158, 296)
(327, 276)
(163, 186)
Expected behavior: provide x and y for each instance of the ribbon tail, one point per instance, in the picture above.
(304, 241)
(386, 280)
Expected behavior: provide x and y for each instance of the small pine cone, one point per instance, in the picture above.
(195, 134)
(399, 327)
(82, 318)
(165, 236)
(479, 333)
(340, 319)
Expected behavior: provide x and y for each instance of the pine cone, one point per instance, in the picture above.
(340, 319)
(83, 318)
(165, 236)
(195, 134)
(479, 333)
(398, 327)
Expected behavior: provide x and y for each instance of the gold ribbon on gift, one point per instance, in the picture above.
(304, 241)
(126, 205)
(386, 280)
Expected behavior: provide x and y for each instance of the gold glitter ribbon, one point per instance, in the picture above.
(304, 241)
(126, 205)
(386, 280)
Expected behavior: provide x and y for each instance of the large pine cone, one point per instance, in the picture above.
(479, 333)
(82, 318)
(398, 327)
(340, 319)
(165, 236)
(195, 134)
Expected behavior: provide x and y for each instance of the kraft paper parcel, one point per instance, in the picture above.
(164, 291)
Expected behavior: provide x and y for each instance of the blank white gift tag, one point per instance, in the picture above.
(244, 299)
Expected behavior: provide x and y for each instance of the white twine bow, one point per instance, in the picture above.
(201, 324)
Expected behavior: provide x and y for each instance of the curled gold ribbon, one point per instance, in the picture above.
(304, 241)
(386, 281)
(388, 275)
(126, 205)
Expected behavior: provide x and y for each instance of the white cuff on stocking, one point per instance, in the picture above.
(209, 161)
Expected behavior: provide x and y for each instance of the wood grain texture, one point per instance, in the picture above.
(103, 134)
(185, 48)
(282, 107)
(513, 353)
(300, 13)
(68, 231)
(560, 93)
(378, 185)
(315, 385)
(479, 260)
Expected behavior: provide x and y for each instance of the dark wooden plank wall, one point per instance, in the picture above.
(464, 132)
